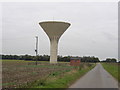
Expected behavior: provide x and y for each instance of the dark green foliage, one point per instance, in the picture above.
(91, 59)
(111, 60)
(64, 59)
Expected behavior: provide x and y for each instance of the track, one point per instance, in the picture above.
(98, 77)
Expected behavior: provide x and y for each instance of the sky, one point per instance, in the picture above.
(93, 30)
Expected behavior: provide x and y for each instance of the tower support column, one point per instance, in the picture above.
(54, 30)
(53, 49)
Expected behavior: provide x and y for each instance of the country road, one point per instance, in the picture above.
(98, 77)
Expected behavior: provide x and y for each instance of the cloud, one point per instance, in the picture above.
(93, 27)
(110, 36)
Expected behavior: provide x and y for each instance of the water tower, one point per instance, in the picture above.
(54, 30)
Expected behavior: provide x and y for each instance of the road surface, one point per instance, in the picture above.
(98, 77)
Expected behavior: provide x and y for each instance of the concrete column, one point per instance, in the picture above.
(54, 30)
(53, 49)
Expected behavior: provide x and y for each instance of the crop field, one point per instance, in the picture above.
(18, 73)
(113, 69)
(23, 74)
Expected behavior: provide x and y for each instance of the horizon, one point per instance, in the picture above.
(93, 30)
(65, 56)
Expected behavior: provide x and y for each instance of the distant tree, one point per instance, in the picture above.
(64, 59)
(27, 57)
(118, 61)
(111, 60)
(91, 59)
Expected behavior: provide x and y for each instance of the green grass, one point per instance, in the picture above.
(62, 81)
(112, 68)
(60, 75)
(7, 60)
(22, 73)
(46, 66)
(11, 60)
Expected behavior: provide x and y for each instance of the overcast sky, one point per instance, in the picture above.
(93, 30)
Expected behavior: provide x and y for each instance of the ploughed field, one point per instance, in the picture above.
(18, 73)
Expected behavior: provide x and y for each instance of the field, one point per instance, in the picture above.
(113, 69)
(23, 74)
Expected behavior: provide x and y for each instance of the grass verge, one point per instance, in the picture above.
(63, 80)
(112, 68)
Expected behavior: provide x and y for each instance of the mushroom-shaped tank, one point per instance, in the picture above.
(54, 30)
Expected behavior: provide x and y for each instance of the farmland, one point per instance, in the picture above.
(20, 73)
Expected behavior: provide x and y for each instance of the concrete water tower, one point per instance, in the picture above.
(54, 30)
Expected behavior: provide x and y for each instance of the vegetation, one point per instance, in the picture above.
(113, 69)
(23, 74)
(16, 72)
(90, 59)
(66, 79)
(47, 57)
(111, 60)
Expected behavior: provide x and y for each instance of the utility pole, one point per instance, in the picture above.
(36, 50)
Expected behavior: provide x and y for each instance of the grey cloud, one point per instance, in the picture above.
(93, 26)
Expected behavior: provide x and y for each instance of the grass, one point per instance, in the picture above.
(46, 66)
(112, 68)
(17, 73)
(25, 74)
(64, 80)
(10, 60)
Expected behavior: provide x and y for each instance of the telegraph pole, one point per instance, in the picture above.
(36, 50)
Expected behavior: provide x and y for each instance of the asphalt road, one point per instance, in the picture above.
(98, 77)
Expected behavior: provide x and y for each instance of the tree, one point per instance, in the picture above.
(111, 60)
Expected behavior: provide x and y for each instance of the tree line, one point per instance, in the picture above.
(112, 60)
(60, 58)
